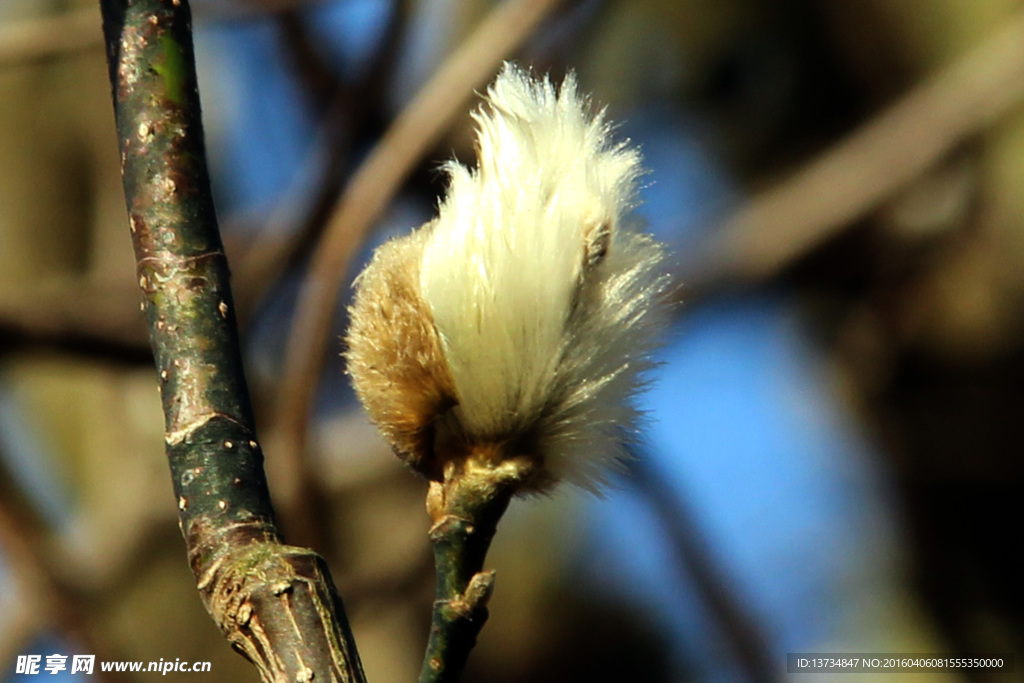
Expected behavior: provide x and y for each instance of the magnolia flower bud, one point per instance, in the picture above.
(509, 333)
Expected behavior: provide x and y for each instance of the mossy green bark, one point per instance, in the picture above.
(275, 603)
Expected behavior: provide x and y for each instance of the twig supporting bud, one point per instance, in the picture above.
(498, 347)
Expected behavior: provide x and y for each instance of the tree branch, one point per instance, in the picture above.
(865, 168)
(465, 509)
(49, 36)
(365, 198)
(696, 563)
(274, 603)
(308, 202)
(24, 535)
(75, 314)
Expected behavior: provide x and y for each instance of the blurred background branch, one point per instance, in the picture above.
(375, 183)
(835, 189)
(45, 597)
(49, 36)
(854, 167)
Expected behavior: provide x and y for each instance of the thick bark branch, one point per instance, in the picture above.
(274, 603)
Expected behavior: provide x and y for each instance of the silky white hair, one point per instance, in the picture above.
(545, 304)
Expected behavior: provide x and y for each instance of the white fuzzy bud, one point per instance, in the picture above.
(540, 305)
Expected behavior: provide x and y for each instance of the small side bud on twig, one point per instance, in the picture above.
(508, 335)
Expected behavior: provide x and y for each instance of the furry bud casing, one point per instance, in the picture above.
(512, 331)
